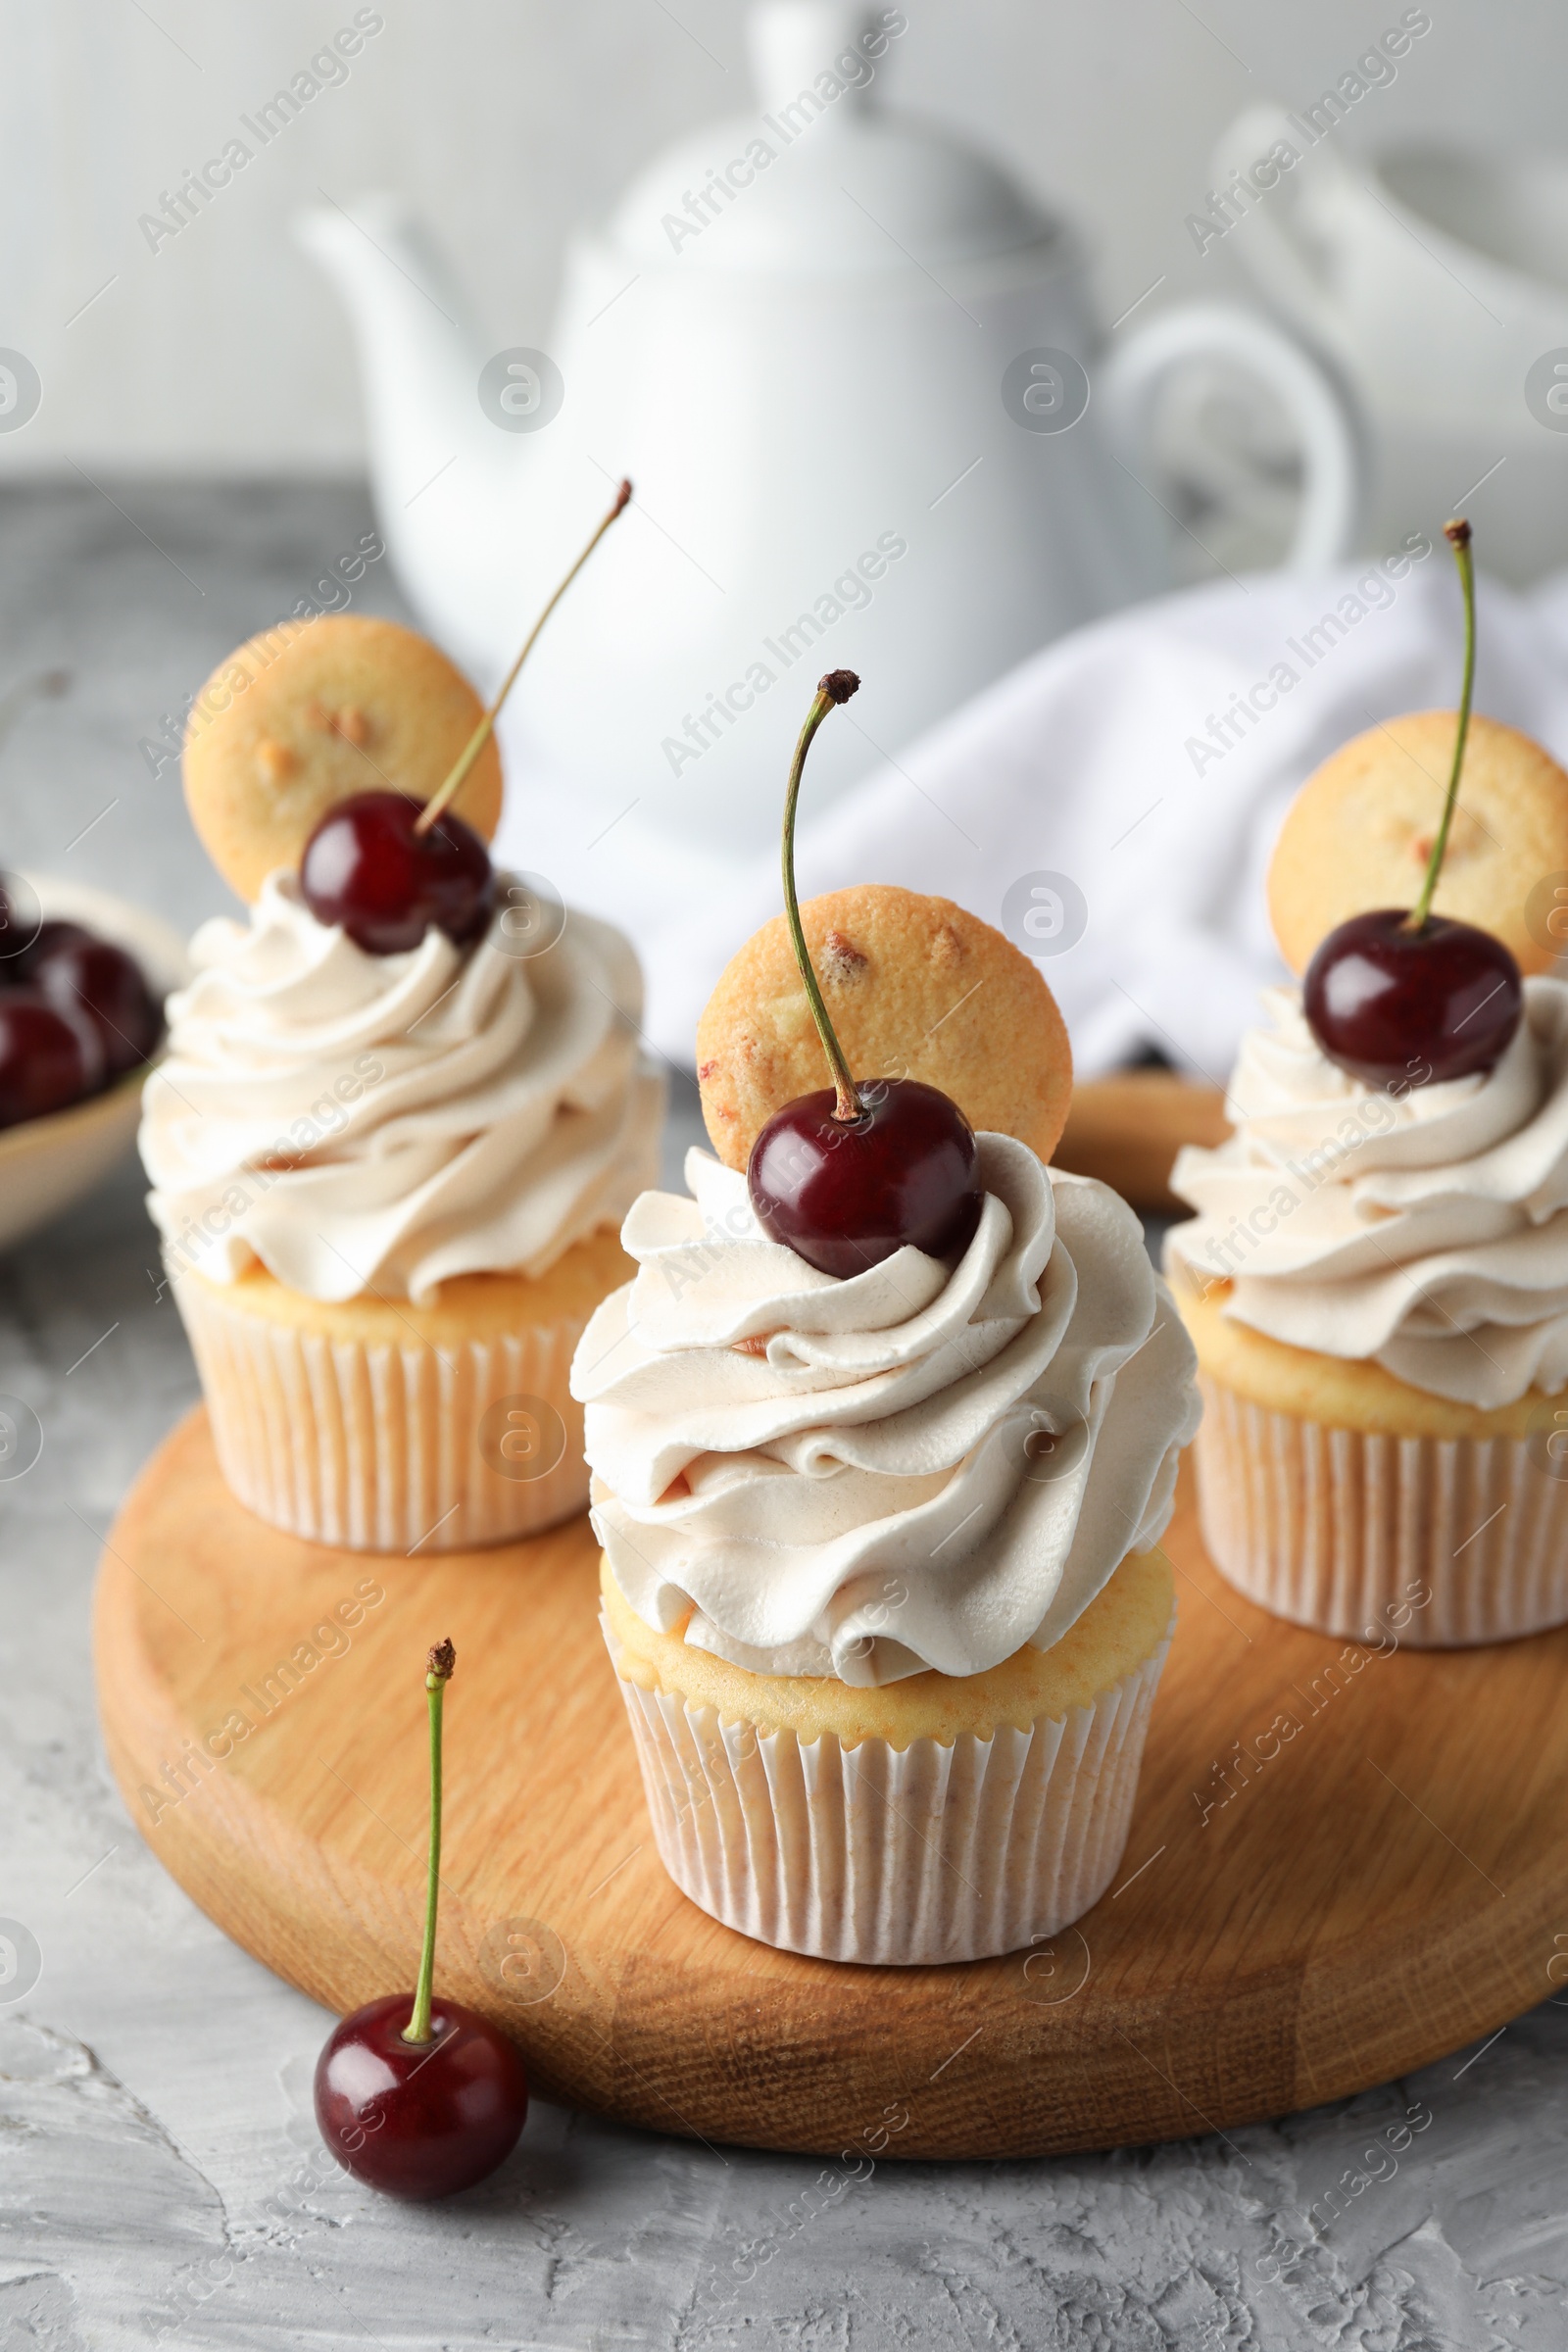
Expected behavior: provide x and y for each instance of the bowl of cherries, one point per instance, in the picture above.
(82, 980)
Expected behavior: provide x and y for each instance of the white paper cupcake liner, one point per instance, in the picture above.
(376, 1448)
(1441, 1542)
(893, 1856)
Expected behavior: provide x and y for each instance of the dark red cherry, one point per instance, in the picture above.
(1392, 1005)
(419, 2096)
(108, 986)
(47, 941)
(49, 1058)
(844, 1193)
(366, 868)
(420, 2119)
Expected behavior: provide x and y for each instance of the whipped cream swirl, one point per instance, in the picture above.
(857, 1477)
(1424, 1229)
(381, 1123)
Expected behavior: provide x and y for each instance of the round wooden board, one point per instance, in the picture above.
(1128, 1129)
(1300, 1912)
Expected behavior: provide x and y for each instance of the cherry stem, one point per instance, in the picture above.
(1458, 535)
(439, 1673)
(486, 727)
(837, 687)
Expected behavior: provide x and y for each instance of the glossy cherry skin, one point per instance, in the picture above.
(47, 941)
(366, 868)
(49, 1059)
(108, 986)
(420, 2119)
(845, 1194)
(1391, 1006)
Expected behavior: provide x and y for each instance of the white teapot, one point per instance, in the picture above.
(855, 375)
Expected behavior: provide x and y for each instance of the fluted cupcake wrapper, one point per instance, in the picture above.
(378, 1448)
(1443, 1541)
(893, 1856)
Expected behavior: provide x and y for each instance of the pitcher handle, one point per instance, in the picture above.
(1332, 445)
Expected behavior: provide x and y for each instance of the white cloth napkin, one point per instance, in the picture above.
(1093, 760)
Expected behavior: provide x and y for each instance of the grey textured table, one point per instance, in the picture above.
(161, 2181)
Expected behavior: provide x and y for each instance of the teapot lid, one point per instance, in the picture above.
(818, 179)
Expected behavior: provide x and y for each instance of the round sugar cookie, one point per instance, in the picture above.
(311, 710)
(916, 987)
(1360, 830)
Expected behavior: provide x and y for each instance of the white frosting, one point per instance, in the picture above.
(384, 1122)
(1424, 1230)
(857, 1494)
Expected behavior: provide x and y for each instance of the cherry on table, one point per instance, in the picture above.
(421, 2097)
(420, 2120)
(845, 1194)
(1391, 1004)
(368, 867)
(49, 1058)
(106, 984)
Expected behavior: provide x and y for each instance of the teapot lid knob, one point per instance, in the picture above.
(790, 42)
(822, 184)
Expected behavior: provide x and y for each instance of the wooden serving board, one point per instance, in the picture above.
(1341, 1865)
(1127, 1131)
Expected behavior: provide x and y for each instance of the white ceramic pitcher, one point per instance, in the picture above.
(1437, 281)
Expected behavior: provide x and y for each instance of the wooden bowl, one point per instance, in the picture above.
(48, 1164)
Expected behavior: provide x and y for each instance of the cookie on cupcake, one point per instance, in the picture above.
(884, 1437)
(312, 710)
(1376, 1278)
(1361, 831)
(402, 1113)
(916, 986)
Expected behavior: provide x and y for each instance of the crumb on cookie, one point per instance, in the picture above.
(841, 960)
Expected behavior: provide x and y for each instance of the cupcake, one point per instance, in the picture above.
(387, 1187)
(1375, 1280)
(401, 1114)
(880, 1577)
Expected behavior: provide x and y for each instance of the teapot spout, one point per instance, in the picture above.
(440, 469)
